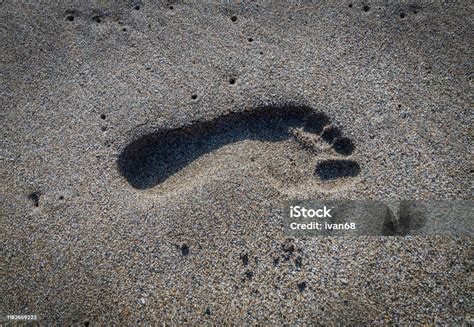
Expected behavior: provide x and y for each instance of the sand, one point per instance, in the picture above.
(93, 234)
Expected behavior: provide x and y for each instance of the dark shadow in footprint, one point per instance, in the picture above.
(343, 146)
(316, 123)
(154, 157)
(330, 134)
(333, 169)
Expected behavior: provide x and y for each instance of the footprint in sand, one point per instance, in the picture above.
(294, 146)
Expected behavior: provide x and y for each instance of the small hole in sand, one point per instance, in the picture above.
(61, 197)
(70, 18)
(103, 116)
(34, 196)
(171, 7)
(137, 7)
(250, 39)
(366, 8)
(124, 29)
(194, 96)
(245, 259)
(298, 262)
(249, 274)
(232, 81)
(233, 18)
(302, 286)
(402, 15)
(97, 19)
(415, 12)
(185, 249)
(350, 5)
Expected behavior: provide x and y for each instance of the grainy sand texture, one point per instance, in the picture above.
(148, 149)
